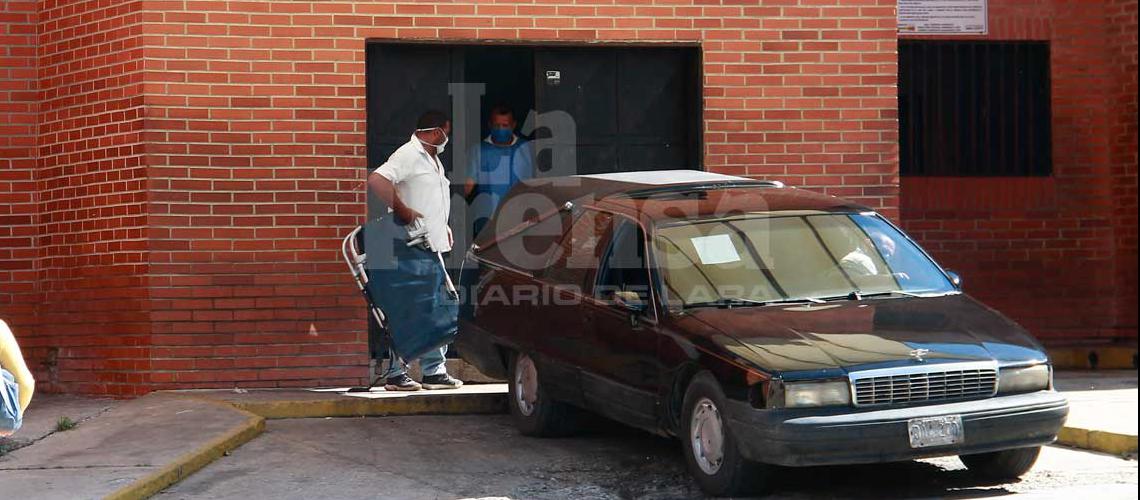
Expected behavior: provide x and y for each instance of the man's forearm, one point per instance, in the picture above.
(386, 191)
(383, 189)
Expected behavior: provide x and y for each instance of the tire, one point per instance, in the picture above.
(535, 415)
(732, 474)
(1002, 465)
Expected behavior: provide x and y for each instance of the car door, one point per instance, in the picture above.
(561, 325)
(502, 280)
(620, 369)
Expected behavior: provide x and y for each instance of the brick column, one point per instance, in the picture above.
(93, 327)
(19, 104)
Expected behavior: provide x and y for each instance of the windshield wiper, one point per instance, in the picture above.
(853, 295)
(892, 292)
(795, 300)
(727, 303)
(927, 295)
(857, 295)
(737, 302)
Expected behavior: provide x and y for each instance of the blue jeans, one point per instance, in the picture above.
(10, 414)
(432, 363)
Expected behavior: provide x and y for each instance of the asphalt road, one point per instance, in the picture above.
(453, 457)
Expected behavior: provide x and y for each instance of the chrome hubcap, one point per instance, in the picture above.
(706, 433)
(526, 385)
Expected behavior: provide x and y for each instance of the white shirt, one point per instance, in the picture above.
(422, 186)
(860, 263)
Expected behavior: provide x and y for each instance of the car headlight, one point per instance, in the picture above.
(1024, 379)
(812, 394)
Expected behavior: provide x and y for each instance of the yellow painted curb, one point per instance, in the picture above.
(192, 461)
(1104, 442)
(1108, 357)
(364, 407)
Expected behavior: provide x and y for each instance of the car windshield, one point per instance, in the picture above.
(755, 260)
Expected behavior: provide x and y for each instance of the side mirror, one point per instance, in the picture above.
(954, 279)
(629, 300)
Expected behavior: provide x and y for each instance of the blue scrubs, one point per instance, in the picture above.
(495, 169)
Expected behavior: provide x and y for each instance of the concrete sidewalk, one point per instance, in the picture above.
(131, 451)
(134, 449)
(44, 418)
(1102, 410)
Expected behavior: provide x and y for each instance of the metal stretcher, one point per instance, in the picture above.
(353, 250)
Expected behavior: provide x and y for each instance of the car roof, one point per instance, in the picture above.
(662, 177)
(679, 194)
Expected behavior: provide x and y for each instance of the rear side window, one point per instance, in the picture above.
(577, 256)
(624, 267)
(531, 247)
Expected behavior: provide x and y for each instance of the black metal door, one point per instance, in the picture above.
(404, 80)
(635, 108)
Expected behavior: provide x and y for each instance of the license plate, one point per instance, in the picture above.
(935, 431)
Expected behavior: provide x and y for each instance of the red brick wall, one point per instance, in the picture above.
(1052, 252)
(19, 104)
(1121, 28)
(257, 132)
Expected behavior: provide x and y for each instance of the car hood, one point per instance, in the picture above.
(867, 334)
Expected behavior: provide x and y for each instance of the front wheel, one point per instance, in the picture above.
(1002, 465)
(711, 450)
(534, 412)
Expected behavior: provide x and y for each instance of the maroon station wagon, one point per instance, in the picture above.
(758, 323)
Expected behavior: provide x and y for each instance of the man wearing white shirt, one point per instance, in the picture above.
(413, 185)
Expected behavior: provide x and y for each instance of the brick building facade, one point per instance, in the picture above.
(175, 175)
(1057, 253)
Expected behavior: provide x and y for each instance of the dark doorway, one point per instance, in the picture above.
(508, 73)
(635, 108)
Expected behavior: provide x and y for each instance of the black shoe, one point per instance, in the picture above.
(442, 381)
(401, 383)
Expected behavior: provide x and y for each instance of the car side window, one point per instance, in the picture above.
(527, 245)
(623, 268)
(577, 255)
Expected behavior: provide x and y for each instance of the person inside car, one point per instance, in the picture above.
(888, 249)
(861, 261)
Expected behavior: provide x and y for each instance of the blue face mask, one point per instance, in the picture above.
(501, 135)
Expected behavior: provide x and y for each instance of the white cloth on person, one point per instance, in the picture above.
(423, 186)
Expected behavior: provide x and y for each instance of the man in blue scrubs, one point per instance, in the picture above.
(501, 160)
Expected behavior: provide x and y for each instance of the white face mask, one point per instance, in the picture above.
(438, 147)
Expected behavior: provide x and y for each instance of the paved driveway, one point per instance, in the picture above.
(450, 457)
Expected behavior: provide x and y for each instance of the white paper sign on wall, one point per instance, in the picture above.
(943, 17)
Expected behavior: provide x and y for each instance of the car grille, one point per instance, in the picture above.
(911, 385)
